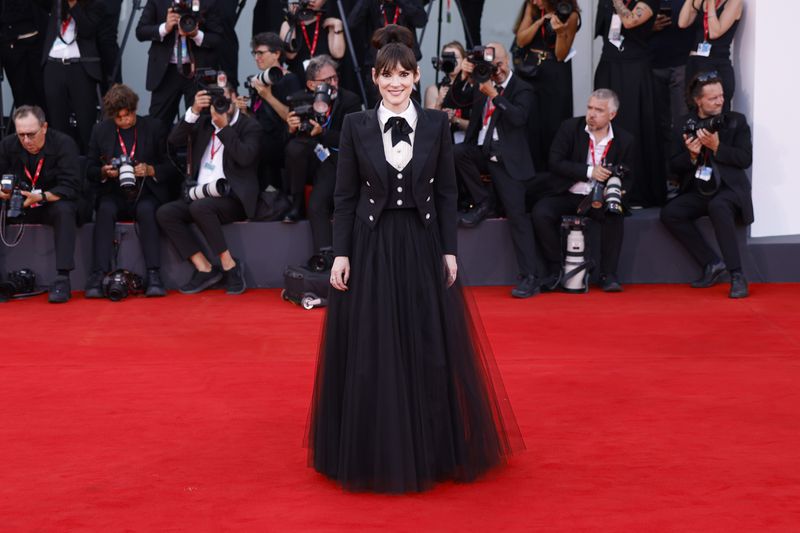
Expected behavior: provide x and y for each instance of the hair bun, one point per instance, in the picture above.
(392, 33)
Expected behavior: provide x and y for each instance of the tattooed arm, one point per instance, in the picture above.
(632, 18)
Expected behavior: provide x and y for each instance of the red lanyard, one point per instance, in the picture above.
(605, 152)
(705, 19)
(490, 107)
(65, 25)
(35, 178)
(312, 47)
(214, 150)
(396, 15)
(122, 144)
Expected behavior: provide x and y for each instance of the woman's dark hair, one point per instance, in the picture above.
(395, 46)
(696, 85)
(120, 97)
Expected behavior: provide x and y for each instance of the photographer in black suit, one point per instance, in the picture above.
(496, 143)
(22, 27)
(142, 140)
(45, 163)
(581, 151)
(176, 54)
(224, 149)
(710, 160)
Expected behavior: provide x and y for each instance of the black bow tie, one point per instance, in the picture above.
(400, 130)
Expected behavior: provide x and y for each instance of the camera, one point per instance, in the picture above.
(215, 189)
(18, 283)
(322, 261)
(710, 124)
(447, 63)
(10, 184)
(314, 106)
(271, 76)
(610, 192)
(563, 11)
(120, 284)
(214, 82)
(482, 57)
(304, 11)
(124, 165)
(189, 12)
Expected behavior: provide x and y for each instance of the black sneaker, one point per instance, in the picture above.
(610, 283)
(527, 287)
(201, 281)
(154, 285)
(739, 288)
(234, 279)
(711, 274)
(60, 291)
(94, 285)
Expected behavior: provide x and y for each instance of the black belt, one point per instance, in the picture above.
(73, 60)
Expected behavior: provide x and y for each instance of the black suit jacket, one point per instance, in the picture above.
(240, 159)
(362, 181)
(734, 155)
(61, 170)
(570, 148)
(150, 148)
(509, 119)
(153, 15)
(367, 15)
(88, 15)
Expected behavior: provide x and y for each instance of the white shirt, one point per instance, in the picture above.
(485, 127)
(66, 47)
(210, 167)
(585, 187)
(399, 155)
(173, 58)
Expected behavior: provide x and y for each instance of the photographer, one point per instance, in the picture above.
(711, 151)
(177, 51)
(223, 186)
(308, 32)
(496, 142)
(439, 97)
(582, 157)
(268, 104)
(22, 27)
(312, 154)
(45, 165)
(143, 187)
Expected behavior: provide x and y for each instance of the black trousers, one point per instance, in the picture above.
(22, 62)
(166, 98)
(473, 11)
(547, 215)
(470, 164)
(63, 217)
(67, 89)
(208, 213)
(681, 212)
(302, 166)
(113, 207)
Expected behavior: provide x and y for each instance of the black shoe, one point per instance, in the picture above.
(739, 288)
(60, 291)
(475, 216)
(155, 287)
(711, 274)
(94, 285)
(527, 287)
(234, 279)
(293, 217)
(609, 283)
(550, 283)
(201, 281)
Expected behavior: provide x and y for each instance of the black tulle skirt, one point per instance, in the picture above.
(407, 392)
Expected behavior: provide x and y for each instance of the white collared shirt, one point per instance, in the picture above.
(67, 46)
(585, 187)
(210, 167)
(485, 127)
(399, 155)
(173, 58)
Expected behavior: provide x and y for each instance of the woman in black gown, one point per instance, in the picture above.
(406, 392)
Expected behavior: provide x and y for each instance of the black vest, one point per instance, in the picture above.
(400, 196)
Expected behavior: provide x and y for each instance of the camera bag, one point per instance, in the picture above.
(305, 287)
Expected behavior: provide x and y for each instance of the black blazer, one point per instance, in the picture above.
(510, 118)
(60, 171)
(734, 155)
(88, 15)
(570, 148)
(346, 102)
(367, 15)
(151, 148)
(240, 159)
(362, 182)
(153, 15)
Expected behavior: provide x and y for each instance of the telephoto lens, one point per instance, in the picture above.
(216, 189)
(613, 195)
(271, 76)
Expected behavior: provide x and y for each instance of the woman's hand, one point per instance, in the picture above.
(340, 272)
(450, 269)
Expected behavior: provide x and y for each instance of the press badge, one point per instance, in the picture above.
(209, 166)
(703, 173)
(704, 49)
(615, 36)
(322, 153)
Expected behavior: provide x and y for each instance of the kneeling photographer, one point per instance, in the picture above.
(589, 159)
(222, 183)
(128, 168)
(315, 121)
(40, 184)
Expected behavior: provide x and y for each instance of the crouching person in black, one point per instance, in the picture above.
(128, 167)
(45, 165)
(582, 156)
(223, 187)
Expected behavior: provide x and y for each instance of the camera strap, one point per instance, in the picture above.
(397, 11)
(705, 18)
(312, 47)
(135, 142)
(490, 107)
(33, 179)
(605, 152)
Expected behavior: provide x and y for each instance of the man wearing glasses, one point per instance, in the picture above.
(45, 164)
(311, 156)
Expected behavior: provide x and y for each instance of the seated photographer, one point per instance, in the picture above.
(312, 154)
(268, 104)
(710, 153)
(309, 32)
(496, 143)
(44, 187)
(128, 167)
(181, 43)
(439, 97)
(222, 187)
(584, 158)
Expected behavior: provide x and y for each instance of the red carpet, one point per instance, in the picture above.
(659, 409)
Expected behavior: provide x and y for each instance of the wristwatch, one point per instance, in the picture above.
(44, 198)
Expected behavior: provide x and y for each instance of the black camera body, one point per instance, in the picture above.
(124, 165)
(303, 12)
(213, 82)
(609, 193)
(120, 284)
(18, 283)
(563, 11)
(710, 124)
(321, 261)
(447, 64)
(482, 57)
(189, 12)
(11, 184)
(312, 106)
